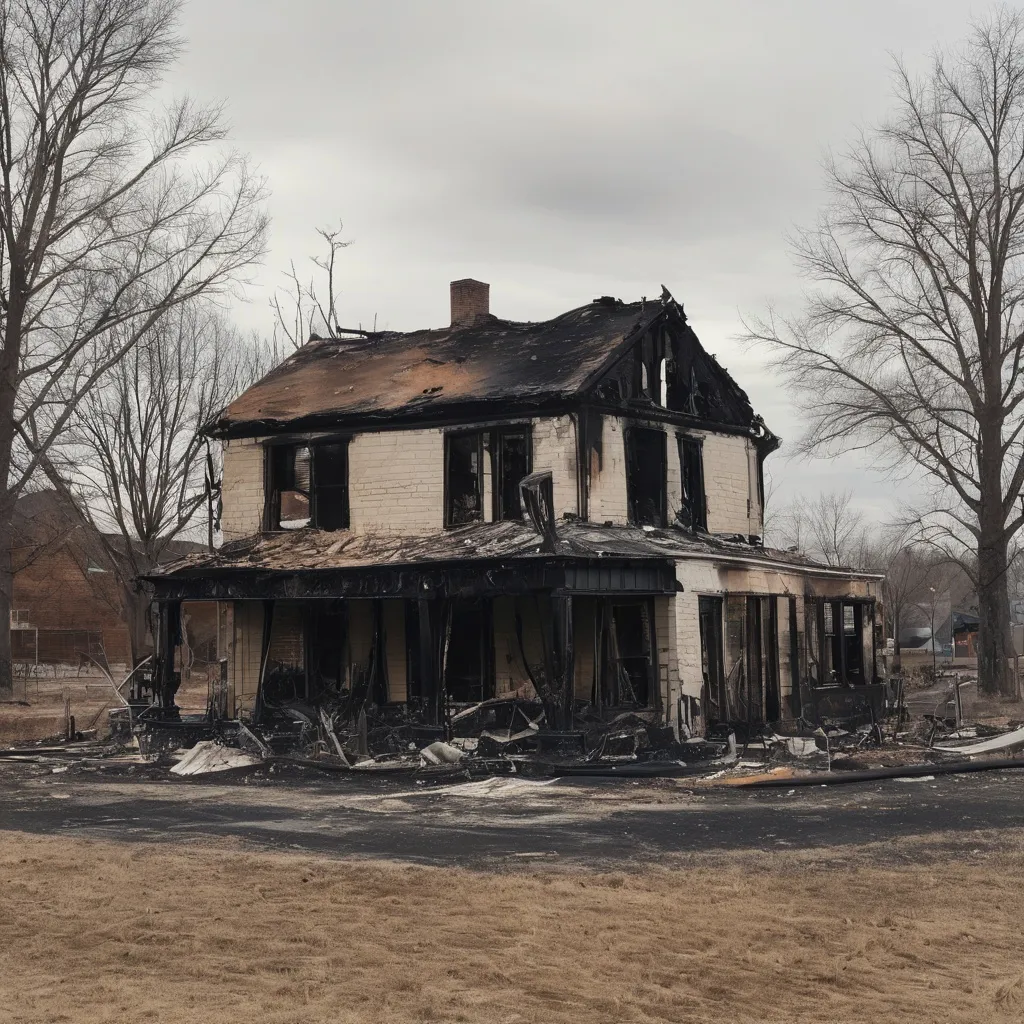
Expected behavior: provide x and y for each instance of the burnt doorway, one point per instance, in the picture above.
(469, 664)
(709, 614)
(327, 643)
(632, 654)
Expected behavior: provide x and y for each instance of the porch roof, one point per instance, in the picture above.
(312, 550)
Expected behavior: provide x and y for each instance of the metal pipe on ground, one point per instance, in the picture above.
(909, 771)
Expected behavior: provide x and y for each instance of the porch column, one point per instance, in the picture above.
(563, 656)
(428, 662)
(168, 636)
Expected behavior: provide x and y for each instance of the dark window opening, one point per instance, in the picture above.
(693, 513)
(712, 645)
(327, 631)
(836, 642)
(773, 687)
(463, 479)
(307, 485)
(468, 668)
(632, 654)
(510, 452)
(330, 486)
(794, 660)
(645, 476)
(288, 488)
(510, 458)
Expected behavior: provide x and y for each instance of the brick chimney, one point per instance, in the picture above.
(471, 300)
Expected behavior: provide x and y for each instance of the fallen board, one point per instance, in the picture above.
(1008, 741)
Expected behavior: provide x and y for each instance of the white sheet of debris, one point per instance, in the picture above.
(494, 787)
(210, 756)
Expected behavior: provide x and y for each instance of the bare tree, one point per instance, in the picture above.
(910, 572)
(837, 529)
(827, 527)
(134, 457)
(107, 217)
(914, 343)
(305, 310)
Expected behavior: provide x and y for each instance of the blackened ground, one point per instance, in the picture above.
(597, 823)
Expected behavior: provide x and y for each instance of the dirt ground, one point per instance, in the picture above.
(101, 932)
(38, 712)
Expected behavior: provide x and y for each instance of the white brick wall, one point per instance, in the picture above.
(242, 488)
(554, 448)
(396, 482)
(727, 483)
(396, 479)
(608, 477)
(727, 478)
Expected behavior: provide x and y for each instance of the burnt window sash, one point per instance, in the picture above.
(840, 641)
(646, 478)
(329, 506)
(693, 513)
(463, 478)
(511, 460)
(320, 476)
(510, 453)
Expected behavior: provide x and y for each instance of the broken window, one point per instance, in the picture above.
(463, 462)
(645, 476)
(288, 489)
(510, 452)
(307, 485)
(693, 513)
(510, 456)
(711, 650)
(632, 654)
(330, 486)
(839, 644)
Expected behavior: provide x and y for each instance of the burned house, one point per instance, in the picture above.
(568, 513)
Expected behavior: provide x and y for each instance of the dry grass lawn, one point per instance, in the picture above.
(98, 932)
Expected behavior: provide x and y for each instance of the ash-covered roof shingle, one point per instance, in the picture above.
(310, 550)
(391, 375)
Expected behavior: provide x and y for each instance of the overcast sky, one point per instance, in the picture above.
(558, 149)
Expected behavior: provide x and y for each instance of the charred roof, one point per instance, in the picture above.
(507, 542)
(479, 363)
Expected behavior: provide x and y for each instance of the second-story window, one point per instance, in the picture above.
(693, 511)
(511, 456)
(645, 476)
(463, 484)
(464, 454)
(307, 485)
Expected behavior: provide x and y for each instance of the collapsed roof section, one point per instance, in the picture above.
(605, 353)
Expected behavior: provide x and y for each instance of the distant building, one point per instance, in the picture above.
(66, 603)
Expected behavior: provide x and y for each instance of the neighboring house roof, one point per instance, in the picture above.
(309, 550)
(490, 362)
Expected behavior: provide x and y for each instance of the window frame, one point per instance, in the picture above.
(700, 520)
(448, 438)
(628, 437)
(271, 493)
(496, 436)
